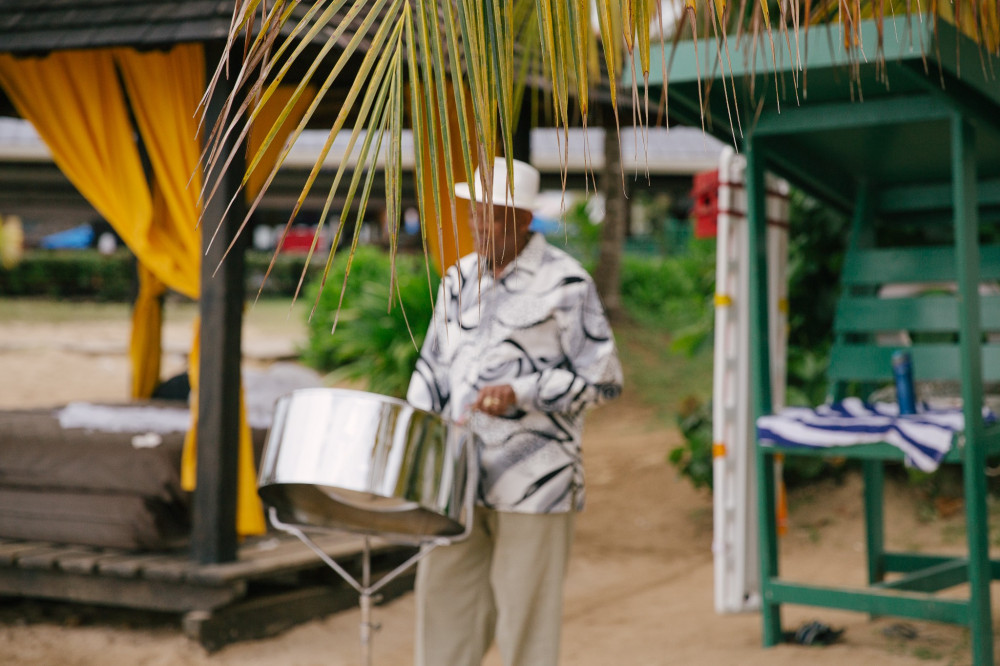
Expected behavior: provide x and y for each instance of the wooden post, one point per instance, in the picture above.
(966, 224)
(760, 382)
(213, 538)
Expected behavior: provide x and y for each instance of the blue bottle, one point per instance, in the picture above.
(902, 372)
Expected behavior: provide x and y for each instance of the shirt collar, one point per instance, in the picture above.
(529, 259)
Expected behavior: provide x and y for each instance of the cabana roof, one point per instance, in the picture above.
(32, 27)
(915, 67)
(38, 27)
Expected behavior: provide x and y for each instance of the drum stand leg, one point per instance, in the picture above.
(367, 628)
(364, 588)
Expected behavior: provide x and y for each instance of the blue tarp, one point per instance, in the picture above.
(71, 239)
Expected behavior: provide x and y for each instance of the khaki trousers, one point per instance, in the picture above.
(505, 582)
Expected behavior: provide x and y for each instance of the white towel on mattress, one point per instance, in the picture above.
(924, 438)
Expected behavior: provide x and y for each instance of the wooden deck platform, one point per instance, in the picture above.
(275, 583)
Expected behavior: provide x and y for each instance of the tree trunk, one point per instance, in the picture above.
(608, 273)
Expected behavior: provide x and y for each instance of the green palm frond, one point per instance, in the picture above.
(389, 65)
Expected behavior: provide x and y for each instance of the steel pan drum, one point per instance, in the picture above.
(365, 462)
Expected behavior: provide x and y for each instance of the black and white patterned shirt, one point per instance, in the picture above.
(539, 327)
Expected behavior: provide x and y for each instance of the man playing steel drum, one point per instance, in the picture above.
(519, 346)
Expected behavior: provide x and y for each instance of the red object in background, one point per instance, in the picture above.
(299, 239)
(705, 193)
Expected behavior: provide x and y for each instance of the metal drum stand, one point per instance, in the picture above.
(342, 460)
(364, 587)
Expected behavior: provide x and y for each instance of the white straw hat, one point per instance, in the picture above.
(524, 177)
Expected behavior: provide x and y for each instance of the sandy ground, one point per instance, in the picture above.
(640, 583)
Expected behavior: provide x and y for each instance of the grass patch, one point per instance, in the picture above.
(274, 315)
(661, 377)
(32, 310)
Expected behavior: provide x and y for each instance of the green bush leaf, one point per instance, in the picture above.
(372, 342)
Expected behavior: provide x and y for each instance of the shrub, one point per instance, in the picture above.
(284, 276)
(669, 285)
(84, 274)
(693, 458)
(88, 275)
(373, 339)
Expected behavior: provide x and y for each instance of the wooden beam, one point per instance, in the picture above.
(875, 601)
(931, 579)
(213, 537)
(924, 196)
(965, 98)
(849, 115)
(142, 593)
(267, 616)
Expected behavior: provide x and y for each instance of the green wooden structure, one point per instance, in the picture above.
(912, 140)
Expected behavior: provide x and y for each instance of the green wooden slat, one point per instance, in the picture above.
(933, 312)
(875, 601)
(900, 562)
(871, 314)
(876, 451)
(882, 451)
(931, 579)
(925, 264)
(926, 196)
(930, 362)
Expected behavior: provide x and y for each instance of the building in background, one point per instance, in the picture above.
(659, 166)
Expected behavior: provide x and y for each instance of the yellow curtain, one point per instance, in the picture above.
(147, 324)
(164, 88)
(76, 104)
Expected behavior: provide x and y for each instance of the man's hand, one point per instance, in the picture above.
(495, 400)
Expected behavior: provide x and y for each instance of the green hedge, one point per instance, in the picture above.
(89, 275)
(378, 334)
(285, 273)
(84, 274)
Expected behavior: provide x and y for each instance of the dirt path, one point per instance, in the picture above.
(641, 578)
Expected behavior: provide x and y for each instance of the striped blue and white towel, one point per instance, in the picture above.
(924, 438)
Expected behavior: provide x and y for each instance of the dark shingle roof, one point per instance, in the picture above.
(39, 26)
(29, 27)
